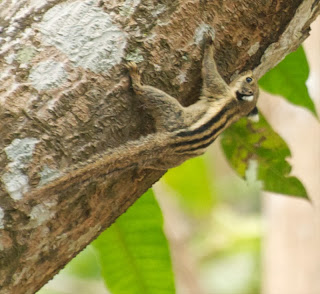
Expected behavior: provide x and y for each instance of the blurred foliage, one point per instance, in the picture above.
(133, 252)
(226, 240)
(193, 186)
(256, 145)
(85, 266)
(288, 79)
(230, 250)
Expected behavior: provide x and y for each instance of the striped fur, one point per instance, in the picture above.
(195, 140)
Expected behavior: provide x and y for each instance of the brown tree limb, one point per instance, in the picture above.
(65, 98)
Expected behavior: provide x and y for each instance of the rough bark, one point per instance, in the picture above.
(64, 97)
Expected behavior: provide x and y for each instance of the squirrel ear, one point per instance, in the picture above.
(254, 114)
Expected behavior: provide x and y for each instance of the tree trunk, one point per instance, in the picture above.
(65, 97)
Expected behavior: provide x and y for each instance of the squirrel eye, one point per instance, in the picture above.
(249, 80)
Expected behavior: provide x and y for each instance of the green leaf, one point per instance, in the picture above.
(192, 182)
(246, 143)
(134, 253)
(84, 265)
(288, 79)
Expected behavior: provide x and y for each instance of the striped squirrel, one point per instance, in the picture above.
(182, 132)
(192, 129)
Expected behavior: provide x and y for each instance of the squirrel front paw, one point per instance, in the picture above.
(134, 73)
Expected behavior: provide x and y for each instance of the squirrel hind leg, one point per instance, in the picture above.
(167, 112)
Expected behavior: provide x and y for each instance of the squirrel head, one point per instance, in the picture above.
(246, 91)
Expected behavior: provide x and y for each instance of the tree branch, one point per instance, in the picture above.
(65, 99)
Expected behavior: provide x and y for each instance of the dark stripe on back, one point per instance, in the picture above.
(201, 146)
(203, 138)
(208, 124)
(214, 131)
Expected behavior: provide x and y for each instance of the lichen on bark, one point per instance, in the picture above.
(86, 107)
